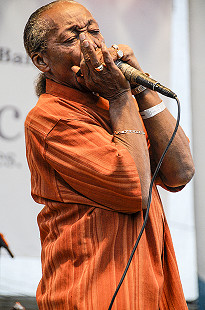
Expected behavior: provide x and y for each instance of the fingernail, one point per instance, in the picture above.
(82, 36)
(85, 43)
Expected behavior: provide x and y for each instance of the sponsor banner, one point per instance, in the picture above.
(18, 220)
(18, 210)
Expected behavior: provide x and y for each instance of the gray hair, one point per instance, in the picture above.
(36, 33)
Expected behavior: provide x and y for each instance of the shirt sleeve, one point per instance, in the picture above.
(85, 156)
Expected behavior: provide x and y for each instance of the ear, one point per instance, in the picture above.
(40, 61)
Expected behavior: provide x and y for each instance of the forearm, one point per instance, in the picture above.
(177, 168)
(124, 116)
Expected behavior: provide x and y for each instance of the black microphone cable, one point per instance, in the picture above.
(148, 205)
(4, 244)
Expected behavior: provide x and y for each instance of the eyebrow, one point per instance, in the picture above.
(74, 27)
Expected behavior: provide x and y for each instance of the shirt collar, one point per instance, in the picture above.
(74, 95)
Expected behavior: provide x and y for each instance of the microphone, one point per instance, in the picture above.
(135, 76)
(4, 244)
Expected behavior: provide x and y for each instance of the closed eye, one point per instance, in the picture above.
(71, 39)
(95, 32)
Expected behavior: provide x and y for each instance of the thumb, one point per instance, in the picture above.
(79, 76)
(76, 69)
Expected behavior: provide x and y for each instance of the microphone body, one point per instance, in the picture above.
(135, 76)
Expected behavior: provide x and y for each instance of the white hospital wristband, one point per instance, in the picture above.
(153, 110)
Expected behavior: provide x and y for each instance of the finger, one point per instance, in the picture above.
(108, 59)
(83, 45)
(84, 69)
(94, 61)
(97, 42)
(77, 71)
(94, 42)
(79, 76)
(113, 51)
(89, 53)
(129, 56)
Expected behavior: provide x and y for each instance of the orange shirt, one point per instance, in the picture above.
(92, 216)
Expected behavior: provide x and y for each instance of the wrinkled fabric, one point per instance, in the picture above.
(92, 215)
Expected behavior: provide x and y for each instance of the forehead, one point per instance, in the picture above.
(68, 15)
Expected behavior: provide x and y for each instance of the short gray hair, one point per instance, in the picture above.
(37, 29)
(36, 33)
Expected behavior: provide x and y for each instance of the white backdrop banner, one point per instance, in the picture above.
(130, 22)
(18, 211)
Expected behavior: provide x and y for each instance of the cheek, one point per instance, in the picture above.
(75, 56)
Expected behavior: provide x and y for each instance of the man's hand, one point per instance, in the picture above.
(108, 83)
(128, 55)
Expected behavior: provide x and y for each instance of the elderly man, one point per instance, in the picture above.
(91, 158)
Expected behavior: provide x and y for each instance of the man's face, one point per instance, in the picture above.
(63, 48)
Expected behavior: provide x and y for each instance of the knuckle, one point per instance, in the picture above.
(87, 58)
(108, 61)
(96, 63)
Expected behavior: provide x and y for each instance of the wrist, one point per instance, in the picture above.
(147, 99)
(154, 110)
(123, 111)
(120, 97)
(136, 90)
